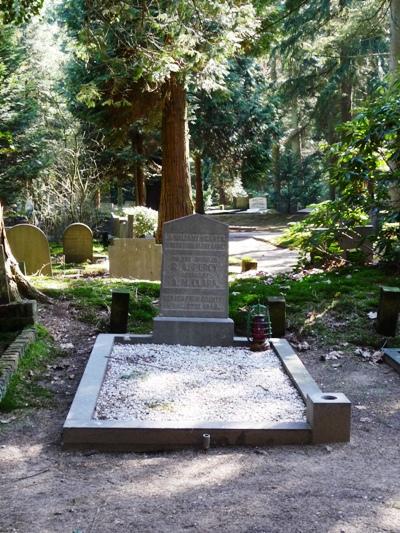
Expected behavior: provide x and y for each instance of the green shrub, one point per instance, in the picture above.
(144, 220)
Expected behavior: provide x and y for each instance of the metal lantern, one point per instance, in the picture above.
(258, 327)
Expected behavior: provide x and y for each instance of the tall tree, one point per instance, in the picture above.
(152, 48)
(19, 286)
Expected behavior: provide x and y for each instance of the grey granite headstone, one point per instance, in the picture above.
(4, 290)
(194, 284)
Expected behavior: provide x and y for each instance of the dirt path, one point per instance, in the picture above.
(340, 488)
(259, 245)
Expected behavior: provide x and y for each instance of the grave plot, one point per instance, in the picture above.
(188, 384)
(192, 383)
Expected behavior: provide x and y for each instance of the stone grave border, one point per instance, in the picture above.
(328, 414)
(11, 357)
(392, 358)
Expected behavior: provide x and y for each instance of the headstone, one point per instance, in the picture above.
(135, 259)
(194, 284)
(4, 289)
(78, 243)
(259, 203)
(241, 202)
(29, 244)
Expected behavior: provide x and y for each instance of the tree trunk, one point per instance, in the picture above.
(19, 286)
(176, 197)
(276, 156)
(138, 147)
(199, 186)
(394, 187)
(97, 199)
(394, 37)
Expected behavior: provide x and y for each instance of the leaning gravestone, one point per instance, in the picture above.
(29, 245)
(194, 284)
(78, 243)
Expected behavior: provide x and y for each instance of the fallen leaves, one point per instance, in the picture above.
(373, 356)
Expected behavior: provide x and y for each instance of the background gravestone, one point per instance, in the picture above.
(259, 203)
(135, 258)
(29, 245)
(194, 284)
(78, 243)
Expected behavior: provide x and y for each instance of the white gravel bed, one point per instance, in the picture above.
(156, 382)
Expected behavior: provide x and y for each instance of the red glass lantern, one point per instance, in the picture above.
(258, 328)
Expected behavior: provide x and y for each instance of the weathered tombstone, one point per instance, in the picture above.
(388, 311)
(29, 244)
(259, 203)
(194, 284)
(135, 258)
(4, 290)
(241, 202)
(78, 243)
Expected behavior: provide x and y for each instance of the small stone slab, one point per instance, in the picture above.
(29, 245)
(78, 243)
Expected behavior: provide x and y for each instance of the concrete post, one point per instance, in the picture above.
(277, 314)
(329, 415)
(119, 311)
(388, 311)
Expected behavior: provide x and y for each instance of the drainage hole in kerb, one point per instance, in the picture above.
(329, 397)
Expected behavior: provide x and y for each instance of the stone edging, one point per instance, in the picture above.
(327, 418)
(10, 359)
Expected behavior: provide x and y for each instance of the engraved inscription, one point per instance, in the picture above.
(195, 271)
(195, 302)
(195, 241)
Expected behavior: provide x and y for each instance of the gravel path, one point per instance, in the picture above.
(186, 383)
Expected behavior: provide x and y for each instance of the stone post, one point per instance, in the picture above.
(119, 311)
(388, 311)
(277, 314)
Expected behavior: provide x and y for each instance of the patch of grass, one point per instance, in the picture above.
(330, 306)
(24, 389)
(92, 296)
